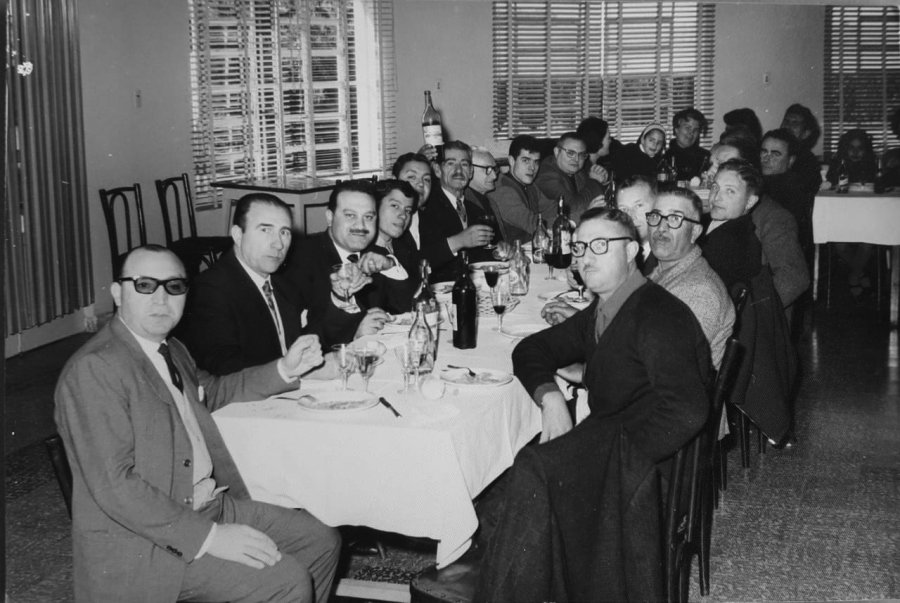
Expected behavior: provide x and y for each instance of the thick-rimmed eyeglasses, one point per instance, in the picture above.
(147, 285)
(573, 154)
(488, 169)
(598, 246)
(673, 221)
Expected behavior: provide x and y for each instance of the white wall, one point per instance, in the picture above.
(782, 42)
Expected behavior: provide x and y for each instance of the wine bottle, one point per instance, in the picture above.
(843, 183)
(465, 306)
(421, 338)
(425, 296)
(539, 240)
(432, 127)
(519, 271)
(560, 253)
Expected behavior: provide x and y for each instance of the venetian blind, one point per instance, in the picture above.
(862, 72)
(632, 63)
(290, 87)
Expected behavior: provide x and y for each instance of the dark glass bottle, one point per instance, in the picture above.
(465, 308)
(431, 126)
(560, 253)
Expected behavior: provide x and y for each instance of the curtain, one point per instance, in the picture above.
(47, 263)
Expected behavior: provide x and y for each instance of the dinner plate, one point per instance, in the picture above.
(337, 401)
(519, 331)
(548, 295)
(483, 377)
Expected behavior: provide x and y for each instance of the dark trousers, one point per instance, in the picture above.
(309, 549)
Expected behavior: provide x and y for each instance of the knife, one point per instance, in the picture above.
(391, 408)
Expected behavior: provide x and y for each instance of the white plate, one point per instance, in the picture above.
(337, 401)
(500, 266)
(483, 377)
(548, 295)
(571, 297)
(520, 331)
(442, 288)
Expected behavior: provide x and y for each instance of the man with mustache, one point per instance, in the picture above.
(674, 227)
(240, 312)
(450, 223)
(352, 218)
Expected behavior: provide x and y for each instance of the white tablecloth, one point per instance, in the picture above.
(860, 218)
(414, 475)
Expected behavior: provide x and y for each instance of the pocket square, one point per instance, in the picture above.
(200, 393)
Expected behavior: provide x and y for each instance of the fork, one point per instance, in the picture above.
(472, 373)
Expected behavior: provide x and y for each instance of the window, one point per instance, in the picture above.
(290, 87)
(630, 62)
(862, 72)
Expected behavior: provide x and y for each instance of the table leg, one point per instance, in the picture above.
(815, 285)
(895, 284)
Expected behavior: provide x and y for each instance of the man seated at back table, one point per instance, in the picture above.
(563, 532)
(241, 312)
(561, 176)
(159, 510)
(450, 223)
(352, 218)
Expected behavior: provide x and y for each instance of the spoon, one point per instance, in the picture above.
(472, 373)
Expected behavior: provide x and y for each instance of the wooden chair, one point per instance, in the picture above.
(57, 452)
(130, 217)
(180, 226)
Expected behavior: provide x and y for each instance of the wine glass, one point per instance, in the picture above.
(345, 275)
(417, 349)
(555, 258)
(578, 279)
(405, 356)
(367, 356)
(499, 300)
(492, 275)
(346, 361)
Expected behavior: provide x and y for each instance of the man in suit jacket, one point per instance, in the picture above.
(352, 226)
(484, 180)
(561, 176)
(160, 512)
(449, 223)
(240, 312)
(580, 518)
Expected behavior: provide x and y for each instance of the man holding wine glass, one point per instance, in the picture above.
(450, 223)
(484, 179)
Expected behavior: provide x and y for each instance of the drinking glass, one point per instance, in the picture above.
(555, 258)
(367, 356)
(405, 357)
(417, 352)
(346, 361)
(490, 220)
(345, 275)
(499, 300)
(492, 275)
(577, 276)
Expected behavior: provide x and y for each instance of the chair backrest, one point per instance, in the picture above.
(127, 221)
(314, 217)
(176, 202)
(57, 451)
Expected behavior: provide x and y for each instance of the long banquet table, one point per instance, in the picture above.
(860, 218)
(414, 475)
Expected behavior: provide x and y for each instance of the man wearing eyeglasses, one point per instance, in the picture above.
(647, 369)
(449, 223)
(484, 180)
(561, 176)
(674, 225)
(159, 510)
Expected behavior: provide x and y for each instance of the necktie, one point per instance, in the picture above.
(461, 210)
(270, 301)
(173, 370)
(353, 258)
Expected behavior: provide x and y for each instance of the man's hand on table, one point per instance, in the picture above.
(304, 355)
(555, 417)
(372, 323)
(557, 311)
(243, 544)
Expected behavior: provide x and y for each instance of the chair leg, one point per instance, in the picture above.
(744, 437)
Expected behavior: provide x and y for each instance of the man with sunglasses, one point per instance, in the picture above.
(561, 176)
(674, 227)
(569, 501)
(159, 510)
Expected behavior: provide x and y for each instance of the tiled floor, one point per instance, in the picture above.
(820, 521)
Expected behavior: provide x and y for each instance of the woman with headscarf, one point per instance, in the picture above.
(641, 157)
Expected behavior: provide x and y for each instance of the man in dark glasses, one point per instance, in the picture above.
(159, 510)
(674, 227)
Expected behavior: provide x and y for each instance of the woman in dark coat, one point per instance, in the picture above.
(643, 156)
